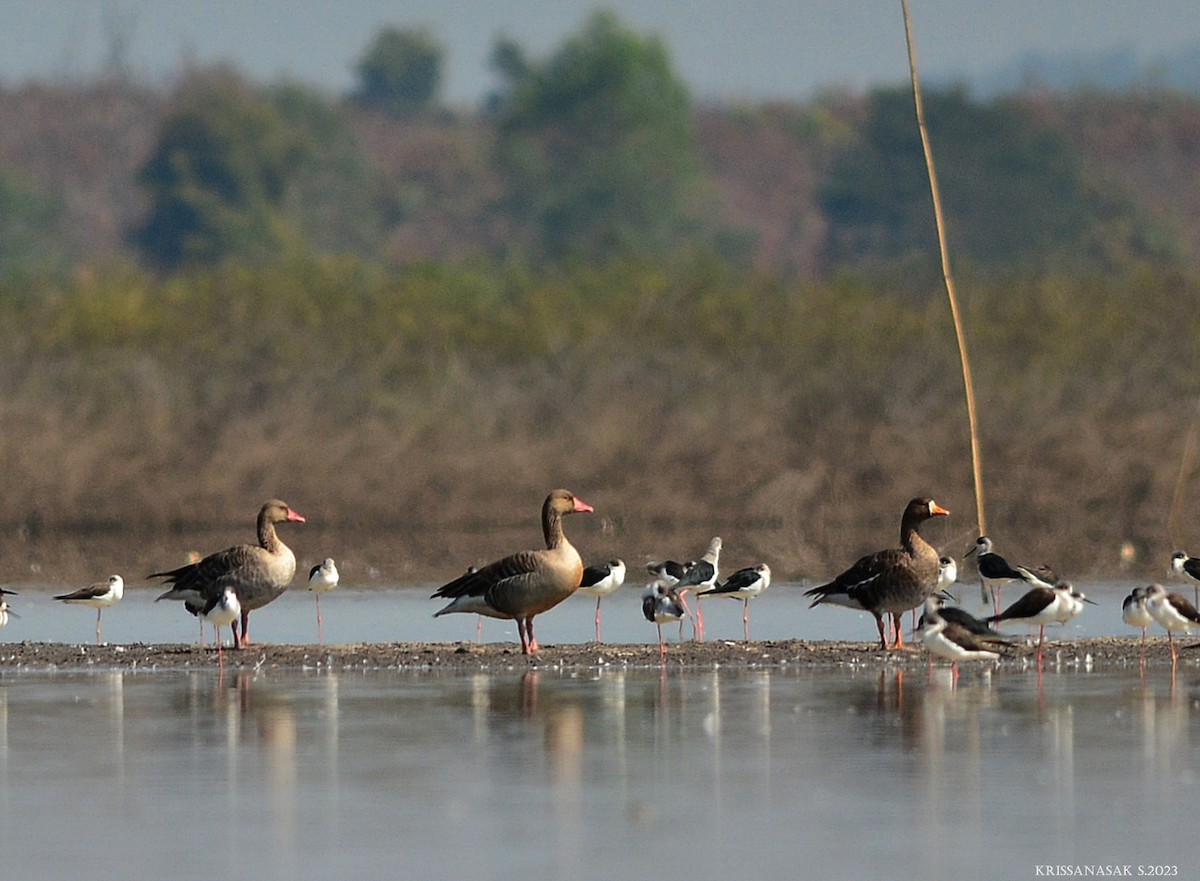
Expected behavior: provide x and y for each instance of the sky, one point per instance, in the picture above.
(726, 50)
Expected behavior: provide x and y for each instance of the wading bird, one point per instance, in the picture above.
(258, 573)
(744, 585)
(1174, 613)
(523, 585)
(322, 579)
(601, 580)
(891, 581)
(994, 571)
(99, 596)
(1044, 605)
(661, 604)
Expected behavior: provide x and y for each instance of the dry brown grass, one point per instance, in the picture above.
(795, 423)
(669, 453)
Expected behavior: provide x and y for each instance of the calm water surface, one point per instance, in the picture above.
(405, 613)
(755, 773)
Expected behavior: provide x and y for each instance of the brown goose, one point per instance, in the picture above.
(257, 574)
(525, 584)
(890, 581)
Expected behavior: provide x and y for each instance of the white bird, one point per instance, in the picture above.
(660, 604)
(964, 638)
(1044, 605)
(700, 576)
(947, 578)
(99, 596)
(1174, 613)
(994, 570)
(4, 610)
(220, 610)
(947, 574)
(669, 572)
(1187, 568)
(1135, 614)
(321, 579)
(601, 580)
(744, 585)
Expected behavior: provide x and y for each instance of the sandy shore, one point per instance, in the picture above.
(469, 657)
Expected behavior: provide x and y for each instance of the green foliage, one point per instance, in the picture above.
(401, 71)
(29, 227)
(331, 198)
(217, 177)
(850, 331)
(1013, 193)
(597, 144)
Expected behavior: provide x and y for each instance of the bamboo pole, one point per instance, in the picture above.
(939, 219)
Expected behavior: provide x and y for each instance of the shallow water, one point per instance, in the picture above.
(404, 614)
(755, 773)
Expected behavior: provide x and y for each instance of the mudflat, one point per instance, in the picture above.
(1086, 653)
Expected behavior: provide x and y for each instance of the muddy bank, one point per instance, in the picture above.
(493, 657)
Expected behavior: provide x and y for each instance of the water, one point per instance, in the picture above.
(775, 774)
(404, 614)
(760, 774)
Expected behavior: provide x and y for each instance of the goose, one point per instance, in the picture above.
(99, 596)
(745, 585)
(523, 585)
(599, 581)
(258, 573)
(893, 580)
(321, 579)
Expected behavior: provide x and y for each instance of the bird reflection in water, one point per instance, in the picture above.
(244, 706)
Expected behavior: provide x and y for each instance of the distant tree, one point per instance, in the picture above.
(332, 198)
(511, 66)
(596, 143)
(30, 227)
(1013, 192)
(217, 177)
(401, 72)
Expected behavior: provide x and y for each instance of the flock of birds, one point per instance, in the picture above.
(224, 587)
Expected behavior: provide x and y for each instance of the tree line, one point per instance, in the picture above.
(598, 152)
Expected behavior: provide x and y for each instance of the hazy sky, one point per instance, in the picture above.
(725, 49)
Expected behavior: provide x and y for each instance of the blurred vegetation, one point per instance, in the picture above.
(596, 151)
(683, 394)
(705, 317)
(596, 144)
(29, 228)
(217, 177)
(401, 72)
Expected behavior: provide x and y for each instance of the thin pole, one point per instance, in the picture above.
(968, 386)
